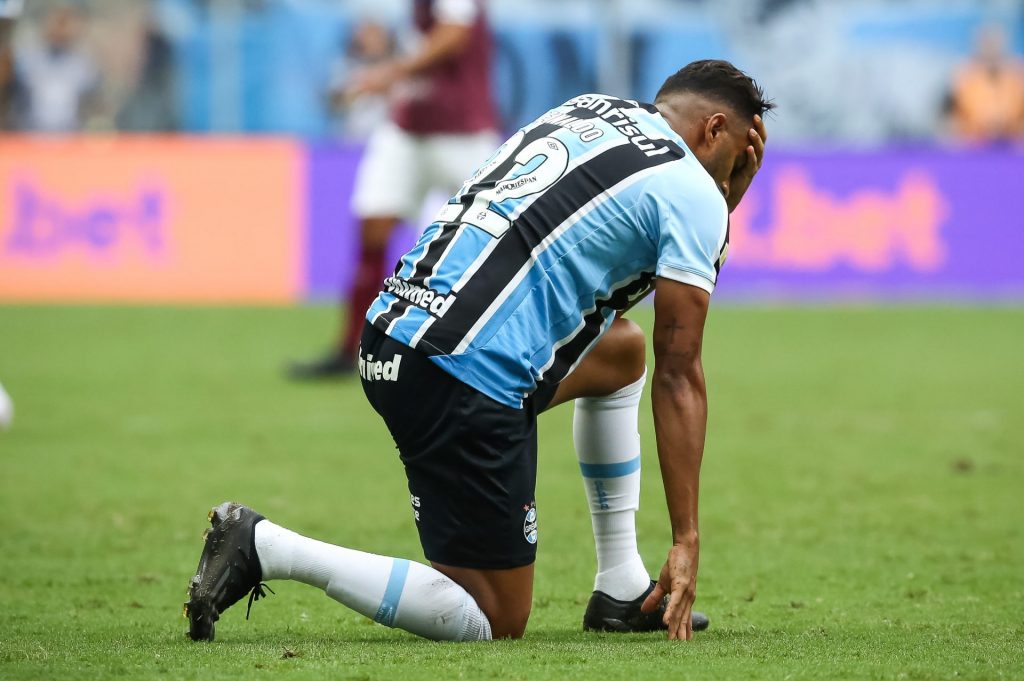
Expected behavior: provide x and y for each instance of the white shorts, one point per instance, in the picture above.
(398, 169)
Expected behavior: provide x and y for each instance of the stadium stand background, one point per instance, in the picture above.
(847, 72)
(879, 70)
(862, 174)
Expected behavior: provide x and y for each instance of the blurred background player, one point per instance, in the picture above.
(443, 124)
(9, 10)
(56, 79)
(987, 98)
(150, 93)
(371, 44)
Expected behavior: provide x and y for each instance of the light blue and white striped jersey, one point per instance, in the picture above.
(570, 220)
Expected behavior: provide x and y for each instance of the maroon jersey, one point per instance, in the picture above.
(455, 95)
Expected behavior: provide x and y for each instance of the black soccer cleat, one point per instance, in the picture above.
(331, 365)
(605, 613)
(228, 569)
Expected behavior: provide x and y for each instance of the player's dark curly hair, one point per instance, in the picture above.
(719, 80)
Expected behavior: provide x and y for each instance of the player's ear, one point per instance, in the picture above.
(714, 127)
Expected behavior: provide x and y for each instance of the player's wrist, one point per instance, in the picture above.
(402, 68)
(687, 538)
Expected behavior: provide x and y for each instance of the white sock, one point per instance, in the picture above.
(392, 591)
(608, 448)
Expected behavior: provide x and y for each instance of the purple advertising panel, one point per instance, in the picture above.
(880, 226)
(927, 225)
(333, 231)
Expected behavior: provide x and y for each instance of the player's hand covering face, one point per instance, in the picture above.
(746, 165)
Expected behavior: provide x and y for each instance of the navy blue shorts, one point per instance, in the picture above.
(471, 462)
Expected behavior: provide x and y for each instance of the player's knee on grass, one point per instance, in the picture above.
(504, 596)
(509, 622)
(508, 613)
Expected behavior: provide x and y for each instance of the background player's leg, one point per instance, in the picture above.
(375, 233)
(388, 188)
(392, 591)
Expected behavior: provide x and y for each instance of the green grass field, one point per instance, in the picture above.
(862, 502)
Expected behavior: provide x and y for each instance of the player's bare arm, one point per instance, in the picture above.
(444, 41)
(679, 401)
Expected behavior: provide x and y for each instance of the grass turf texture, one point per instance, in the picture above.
(861, 502)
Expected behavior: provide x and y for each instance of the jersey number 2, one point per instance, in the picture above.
(515, 184)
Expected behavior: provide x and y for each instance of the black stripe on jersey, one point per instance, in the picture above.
(567, 355)
(433, 252)
(395, 310)
(553, 207)
(499, 172)
(725, 244)
(436, 248)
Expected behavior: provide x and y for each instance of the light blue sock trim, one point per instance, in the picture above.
(610, 470)
(392, 593)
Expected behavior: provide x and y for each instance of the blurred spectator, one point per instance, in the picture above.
(371, 44)
(151, 104)
(987, 97)
(57, 80)
(9, 10)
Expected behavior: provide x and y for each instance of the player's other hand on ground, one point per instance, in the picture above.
(678, 579)
(744, 172)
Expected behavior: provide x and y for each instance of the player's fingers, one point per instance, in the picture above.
(672, 613)
(757, 143)
(753, 161)
(762, 131)
(673, 626)
(354, 90)
(755, 151)
(651, 602)
(653, 599)
(687, 620)
(679, 630)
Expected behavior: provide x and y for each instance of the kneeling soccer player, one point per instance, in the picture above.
(509, 304)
